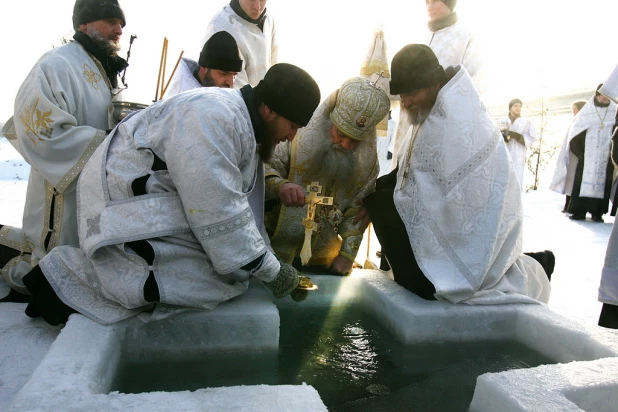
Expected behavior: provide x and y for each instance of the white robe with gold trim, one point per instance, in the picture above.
(196, 215)
(62, 111)
(459, 197)
(289, 164)
(258, 50)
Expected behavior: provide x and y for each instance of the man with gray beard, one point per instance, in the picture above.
(449, 217)
(337, 149)
(62, 113)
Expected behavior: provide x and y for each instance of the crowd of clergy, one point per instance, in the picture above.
(242, 169)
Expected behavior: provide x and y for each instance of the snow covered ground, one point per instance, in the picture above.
(579, 248)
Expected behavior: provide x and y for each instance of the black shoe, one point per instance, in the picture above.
(577, 217)
(597, 218)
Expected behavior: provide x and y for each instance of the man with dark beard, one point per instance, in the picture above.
(337, 149)
(171, 206)
(218, 66)
(590, 140)
(61, 116)
(449, 218)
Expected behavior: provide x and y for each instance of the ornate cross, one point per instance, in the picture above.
(312, 200)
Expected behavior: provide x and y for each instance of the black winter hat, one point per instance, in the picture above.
(289, 91)
(220, 52)
(413, 68)
(86, 11)
(450, 4)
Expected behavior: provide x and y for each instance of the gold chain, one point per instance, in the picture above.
(601, 119)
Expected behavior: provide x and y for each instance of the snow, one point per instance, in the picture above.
(566, 332)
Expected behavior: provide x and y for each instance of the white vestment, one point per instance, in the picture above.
(608, 289)
(196, 215)
(183, 79)
(460, 200)
(62, 112)
(598, 124)
(258, 50)
(524, 127)
(452, 45)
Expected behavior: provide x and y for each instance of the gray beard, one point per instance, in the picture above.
(110, 47)
(418, 116)
(328, 164)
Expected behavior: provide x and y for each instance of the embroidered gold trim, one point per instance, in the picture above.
(38, 124)
(76, 170)
(91, 76)
(4, 240)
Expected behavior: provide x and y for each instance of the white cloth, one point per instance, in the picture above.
(460, 201)
(452, 45)
(598, 123)
(62, 111)
(524, 127)
(196, 215)
(384, 146)
(258, 49)
(183, 79)
(610, 86)
(608, 289)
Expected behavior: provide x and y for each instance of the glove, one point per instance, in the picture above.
(285, 282)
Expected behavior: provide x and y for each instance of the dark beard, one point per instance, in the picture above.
(208, 81)
(266, 148)
(108, 46)
(599, 104)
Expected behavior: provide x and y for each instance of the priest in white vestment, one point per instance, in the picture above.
(608, 288)
(453, 44)
(171, 206)
(589, 141)
(63, 112)
(218, 66)
(519, 134)
(449, 219)
(254, 31)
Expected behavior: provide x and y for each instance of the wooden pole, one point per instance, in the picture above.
(163, 73)
(160, 68)
(172, 75)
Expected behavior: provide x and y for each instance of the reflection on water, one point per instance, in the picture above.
(349, 358)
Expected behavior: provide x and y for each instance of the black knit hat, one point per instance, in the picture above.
(512, 102)
(450, 4)
(220, 52)
(415, 67)
(86, 11)
(289, 91)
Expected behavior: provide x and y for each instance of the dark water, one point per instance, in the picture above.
(349, 359)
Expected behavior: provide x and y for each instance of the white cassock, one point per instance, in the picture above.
(460, 200)
(524, 127)
(183, 79)
(608, 289)
(258, 50)
(598, 123)
(196, 215)
(62, 112)
(452, 45)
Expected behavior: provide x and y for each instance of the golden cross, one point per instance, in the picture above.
(312, 200)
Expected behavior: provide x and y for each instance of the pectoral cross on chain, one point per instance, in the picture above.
(312, 200)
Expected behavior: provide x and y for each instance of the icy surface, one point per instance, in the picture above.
(579, 248)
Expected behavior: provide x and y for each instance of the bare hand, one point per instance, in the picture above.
(341, 265)
(362, 217)
(292, 194)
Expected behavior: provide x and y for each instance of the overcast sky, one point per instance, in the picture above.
(533, 47)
